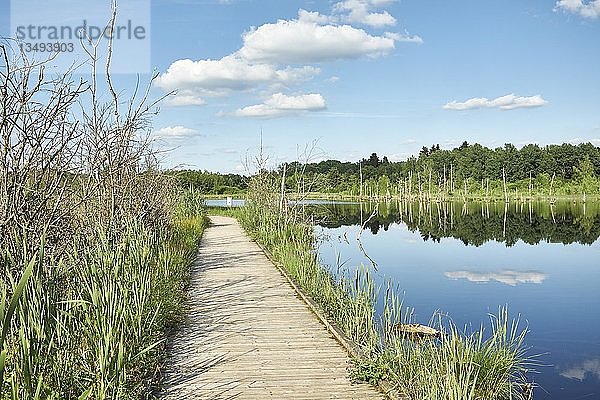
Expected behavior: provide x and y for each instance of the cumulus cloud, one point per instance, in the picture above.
(508, 277)
(174, 132)
(362, 12)
(314, 17)
(299, 41)
(280, 104)
(228, 73)
(404, 37)
(187, 98)
(579, 372)
(276, 56)
(196, 80)
(508, 102)
(587, 9)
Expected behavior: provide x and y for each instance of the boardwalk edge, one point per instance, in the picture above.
(348, 344)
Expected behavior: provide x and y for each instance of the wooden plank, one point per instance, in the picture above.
(248, 334)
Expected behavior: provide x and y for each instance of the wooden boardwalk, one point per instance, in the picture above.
(248, 335)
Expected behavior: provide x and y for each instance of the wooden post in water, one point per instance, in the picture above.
(445, 181)
(552, 184)
(530, 185)
(504, 181)
(504, 222)
(361, 179)
(429, 187)
(451, 178)
(419, 186)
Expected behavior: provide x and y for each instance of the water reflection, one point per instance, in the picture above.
(465, 260)
(589, 368)
(475, 223)
(508, 277)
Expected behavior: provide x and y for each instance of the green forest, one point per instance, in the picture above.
(211, 182)
(470, 170)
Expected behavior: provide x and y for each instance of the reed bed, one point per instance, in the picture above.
(486, 364)
(92, 324)
(95, 241)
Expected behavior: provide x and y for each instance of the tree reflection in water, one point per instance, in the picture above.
(474, 223)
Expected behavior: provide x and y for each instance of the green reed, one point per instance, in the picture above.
(486, 364)
(92, 323)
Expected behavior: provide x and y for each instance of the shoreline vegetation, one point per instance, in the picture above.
(488, 363)
(95, 241)
(467, 172)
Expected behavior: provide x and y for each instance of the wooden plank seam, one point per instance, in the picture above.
(348, 344)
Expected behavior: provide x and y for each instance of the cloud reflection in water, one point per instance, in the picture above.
(508, 277)
(588, 367)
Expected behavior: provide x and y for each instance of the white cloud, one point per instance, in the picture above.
(361, 12)
(280, 104)
(508, 102)
(508, 277)
(275, 56)
(587, 9)
(174, 132)
(185, 99)
(313, 17)
(404, 37)
(595, 142)
(467, 105)
(196, 80)
(308, 42)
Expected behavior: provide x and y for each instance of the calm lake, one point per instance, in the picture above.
(541, 261)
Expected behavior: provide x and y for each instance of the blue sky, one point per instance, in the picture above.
(362, 76)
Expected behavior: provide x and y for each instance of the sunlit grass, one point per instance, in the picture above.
(490, 363)
(92, 323)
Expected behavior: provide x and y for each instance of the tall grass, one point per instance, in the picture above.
(95, 242)
(487, 364)
(93, 322)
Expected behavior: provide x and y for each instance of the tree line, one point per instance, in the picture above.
(468, 170)
(211, 182)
